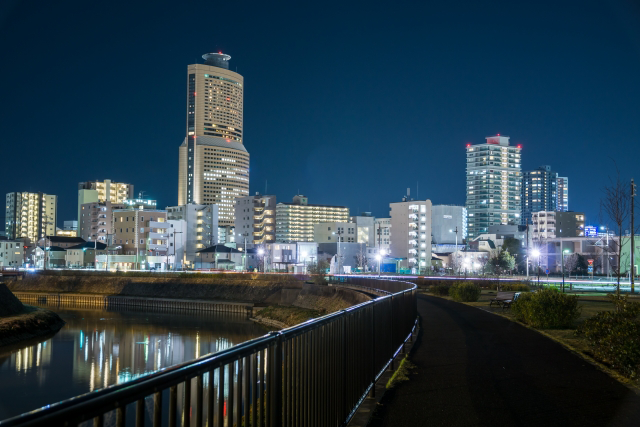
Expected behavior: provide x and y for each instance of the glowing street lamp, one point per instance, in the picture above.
(536, 254)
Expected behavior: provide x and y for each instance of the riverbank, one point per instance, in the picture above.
(32, 322)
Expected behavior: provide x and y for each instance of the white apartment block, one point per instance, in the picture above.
(256, 219)
(544, 225)
(30, 215)
(494, 184)
(95, 222)
(365, 229)
(411, 233)
(201, 227)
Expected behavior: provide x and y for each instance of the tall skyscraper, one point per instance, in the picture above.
(539, 192)
(214, 164)
(494, 182)
(562, 204)
(31, 215)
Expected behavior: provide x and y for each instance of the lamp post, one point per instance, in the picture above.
(339, 233)
(566, 251)
(379, 258)
(455, 252)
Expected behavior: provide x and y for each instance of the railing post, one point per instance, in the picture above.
(373, 350)
(276, 384)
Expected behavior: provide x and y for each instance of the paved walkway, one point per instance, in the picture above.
(476, 368)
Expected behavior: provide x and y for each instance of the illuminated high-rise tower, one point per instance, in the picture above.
(214, 164)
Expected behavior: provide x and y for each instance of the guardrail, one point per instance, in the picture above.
(316, 373)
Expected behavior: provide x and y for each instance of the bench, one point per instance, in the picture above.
(504, 299)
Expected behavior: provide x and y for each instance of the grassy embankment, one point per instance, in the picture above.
(20, 322)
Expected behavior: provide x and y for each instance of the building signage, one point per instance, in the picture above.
(590, 231)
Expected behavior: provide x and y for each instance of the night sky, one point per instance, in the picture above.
(349, 102)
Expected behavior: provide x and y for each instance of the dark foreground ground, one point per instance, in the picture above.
(476, 368)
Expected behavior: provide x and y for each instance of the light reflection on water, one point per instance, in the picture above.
(98, 348)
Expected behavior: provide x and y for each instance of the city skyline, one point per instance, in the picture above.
(305, 111)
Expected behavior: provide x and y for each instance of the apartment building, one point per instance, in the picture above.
(383, 234)
(333, 232)
(255, 218)
(552, 224)
(411, 234)
(143, 234)
(494, 184)
(539, 192)
(201, 227)
(562, 203)
(30, 215)
(103, 191)
(295, 221)
(96, 220)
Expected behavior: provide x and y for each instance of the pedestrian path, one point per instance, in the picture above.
(477, 368)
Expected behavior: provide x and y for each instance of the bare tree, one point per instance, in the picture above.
(570, 263)
(361, 258)
(615, 205)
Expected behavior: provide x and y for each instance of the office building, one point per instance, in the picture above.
(255, 218)
(539, 192)
(295, 221)
(562, 203)
(96, 221)
(448, 224)
(201, 230)
(30, 215)
(411, 234)
(103, 191)
(213, 162)
(383, 234)
(333, 232)
(494, 184)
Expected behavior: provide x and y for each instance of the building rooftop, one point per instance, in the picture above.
(219, 59)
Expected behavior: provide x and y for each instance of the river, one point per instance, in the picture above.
(98, 348)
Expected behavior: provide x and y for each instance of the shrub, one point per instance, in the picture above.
(442, 290)
(465, 292)
(546, 309)
(614, 336)
(509, 286)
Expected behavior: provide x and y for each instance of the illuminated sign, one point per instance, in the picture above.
(590, 231)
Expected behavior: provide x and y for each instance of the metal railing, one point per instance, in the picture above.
(313, 374)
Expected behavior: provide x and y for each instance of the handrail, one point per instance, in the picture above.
(316, 372)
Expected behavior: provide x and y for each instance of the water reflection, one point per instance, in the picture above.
(98, 348)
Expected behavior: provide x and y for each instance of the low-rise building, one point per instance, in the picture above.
(201, 227)
(289, 257)
(142, 234)
(330, 232)
(448, 224)
(219, 257)
(84, 255)
(50, 257)
(11, 253)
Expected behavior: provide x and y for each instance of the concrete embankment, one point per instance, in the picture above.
(212, 292)
(19, 322)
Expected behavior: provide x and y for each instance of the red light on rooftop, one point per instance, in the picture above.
(498, 134)
(468, 145)
(519, 145)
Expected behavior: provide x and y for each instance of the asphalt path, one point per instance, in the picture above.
(476, 368)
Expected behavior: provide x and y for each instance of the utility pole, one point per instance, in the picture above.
(633, 259)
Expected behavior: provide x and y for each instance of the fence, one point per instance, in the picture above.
(314, 374)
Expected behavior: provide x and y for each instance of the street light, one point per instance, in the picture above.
(379, 258)
(536, 254)
(566, 251)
